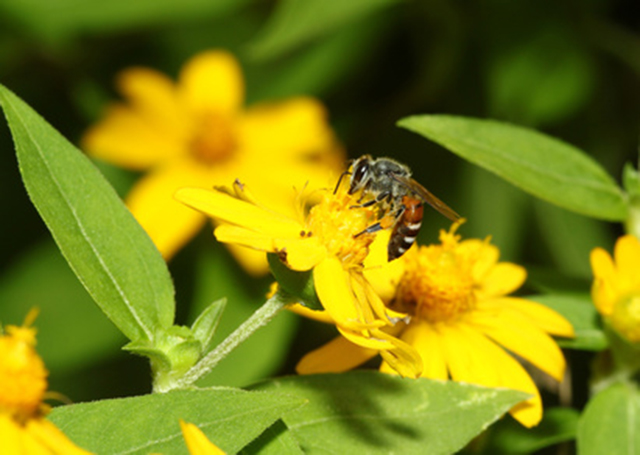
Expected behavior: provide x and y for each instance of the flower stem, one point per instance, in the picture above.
(258, 319)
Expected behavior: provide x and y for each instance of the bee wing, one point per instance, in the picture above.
(426, 196)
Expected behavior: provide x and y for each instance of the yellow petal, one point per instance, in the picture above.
(252, 261)
(128, 139)
(197, 442)
(224, 207)
(364, 337)
(627, 258)
(383, 275)
(473, 358)
(287, 130)
(518, 335)
(604, 291)
(301, 254)
(402, 358)
(425, 339)
(169, 223)
(502, 279)
(333, 286)
(50, 436)
(10, 435)
(336, 356)
(212, 81)
(321, 316)
(153, 95)
(540, 315)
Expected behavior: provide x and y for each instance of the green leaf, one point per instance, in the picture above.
(231, 418)
(557, 425)
(106, 248)
(276, 440)
(72, 331)
(370, 412)
(297, 22)
(204, 328)
(541, 165)
(609, 423)
(584, 317)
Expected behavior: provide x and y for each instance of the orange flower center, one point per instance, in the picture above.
(22, 374)
(336, 222)
(438, 284)
(215, 140)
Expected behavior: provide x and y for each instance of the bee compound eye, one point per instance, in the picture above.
(359, 176)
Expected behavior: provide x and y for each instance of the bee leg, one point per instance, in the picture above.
(384, 223)
(381, 197)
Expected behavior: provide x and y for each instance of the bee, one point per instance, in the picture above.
(388, 183)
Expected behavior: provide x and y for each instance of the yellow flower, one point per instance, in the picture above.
(462, 321)
(321, 239)
(196, 133)
(23, 383)
(616, 286)
(197, 442)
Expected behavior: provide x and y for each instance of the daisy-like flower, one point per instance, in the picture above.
(24, 430)
(616, 286)
(322, 240)
(197, 442)
(196, 133)
(462, 321)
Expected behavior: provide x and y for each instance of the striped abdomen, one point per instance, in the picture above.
(406, 228)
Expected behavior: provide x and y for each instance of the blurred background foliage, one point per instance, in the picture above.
(569, 68)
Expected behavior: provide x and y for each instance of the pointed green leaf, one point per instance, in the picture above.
(541, 165)
(370, 412)
(204, 328)
(611, 421)
(107, 249)
(584, 317)
(231, 419)
(297, 22)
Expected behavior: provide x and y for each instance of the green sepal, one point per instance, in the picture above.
(204, 327)
(172, 354)
(298, 284)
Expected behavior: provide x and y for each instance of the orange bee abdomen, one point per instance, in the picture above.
(406, 228)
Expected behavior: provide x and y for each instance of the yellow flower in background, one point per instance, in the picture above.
(196, 133)
(197, 442)
(616, 286)
(462, 321)
(321, 239)
(23, 384)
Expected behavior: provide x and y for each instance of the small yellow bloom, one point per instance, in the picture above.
(462, 321)
(196, 133)
(321, 239)
(197, 442)
(23, 383)
(616, 286)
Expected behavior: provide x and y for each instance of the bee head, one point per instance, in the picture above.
(361, 173)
